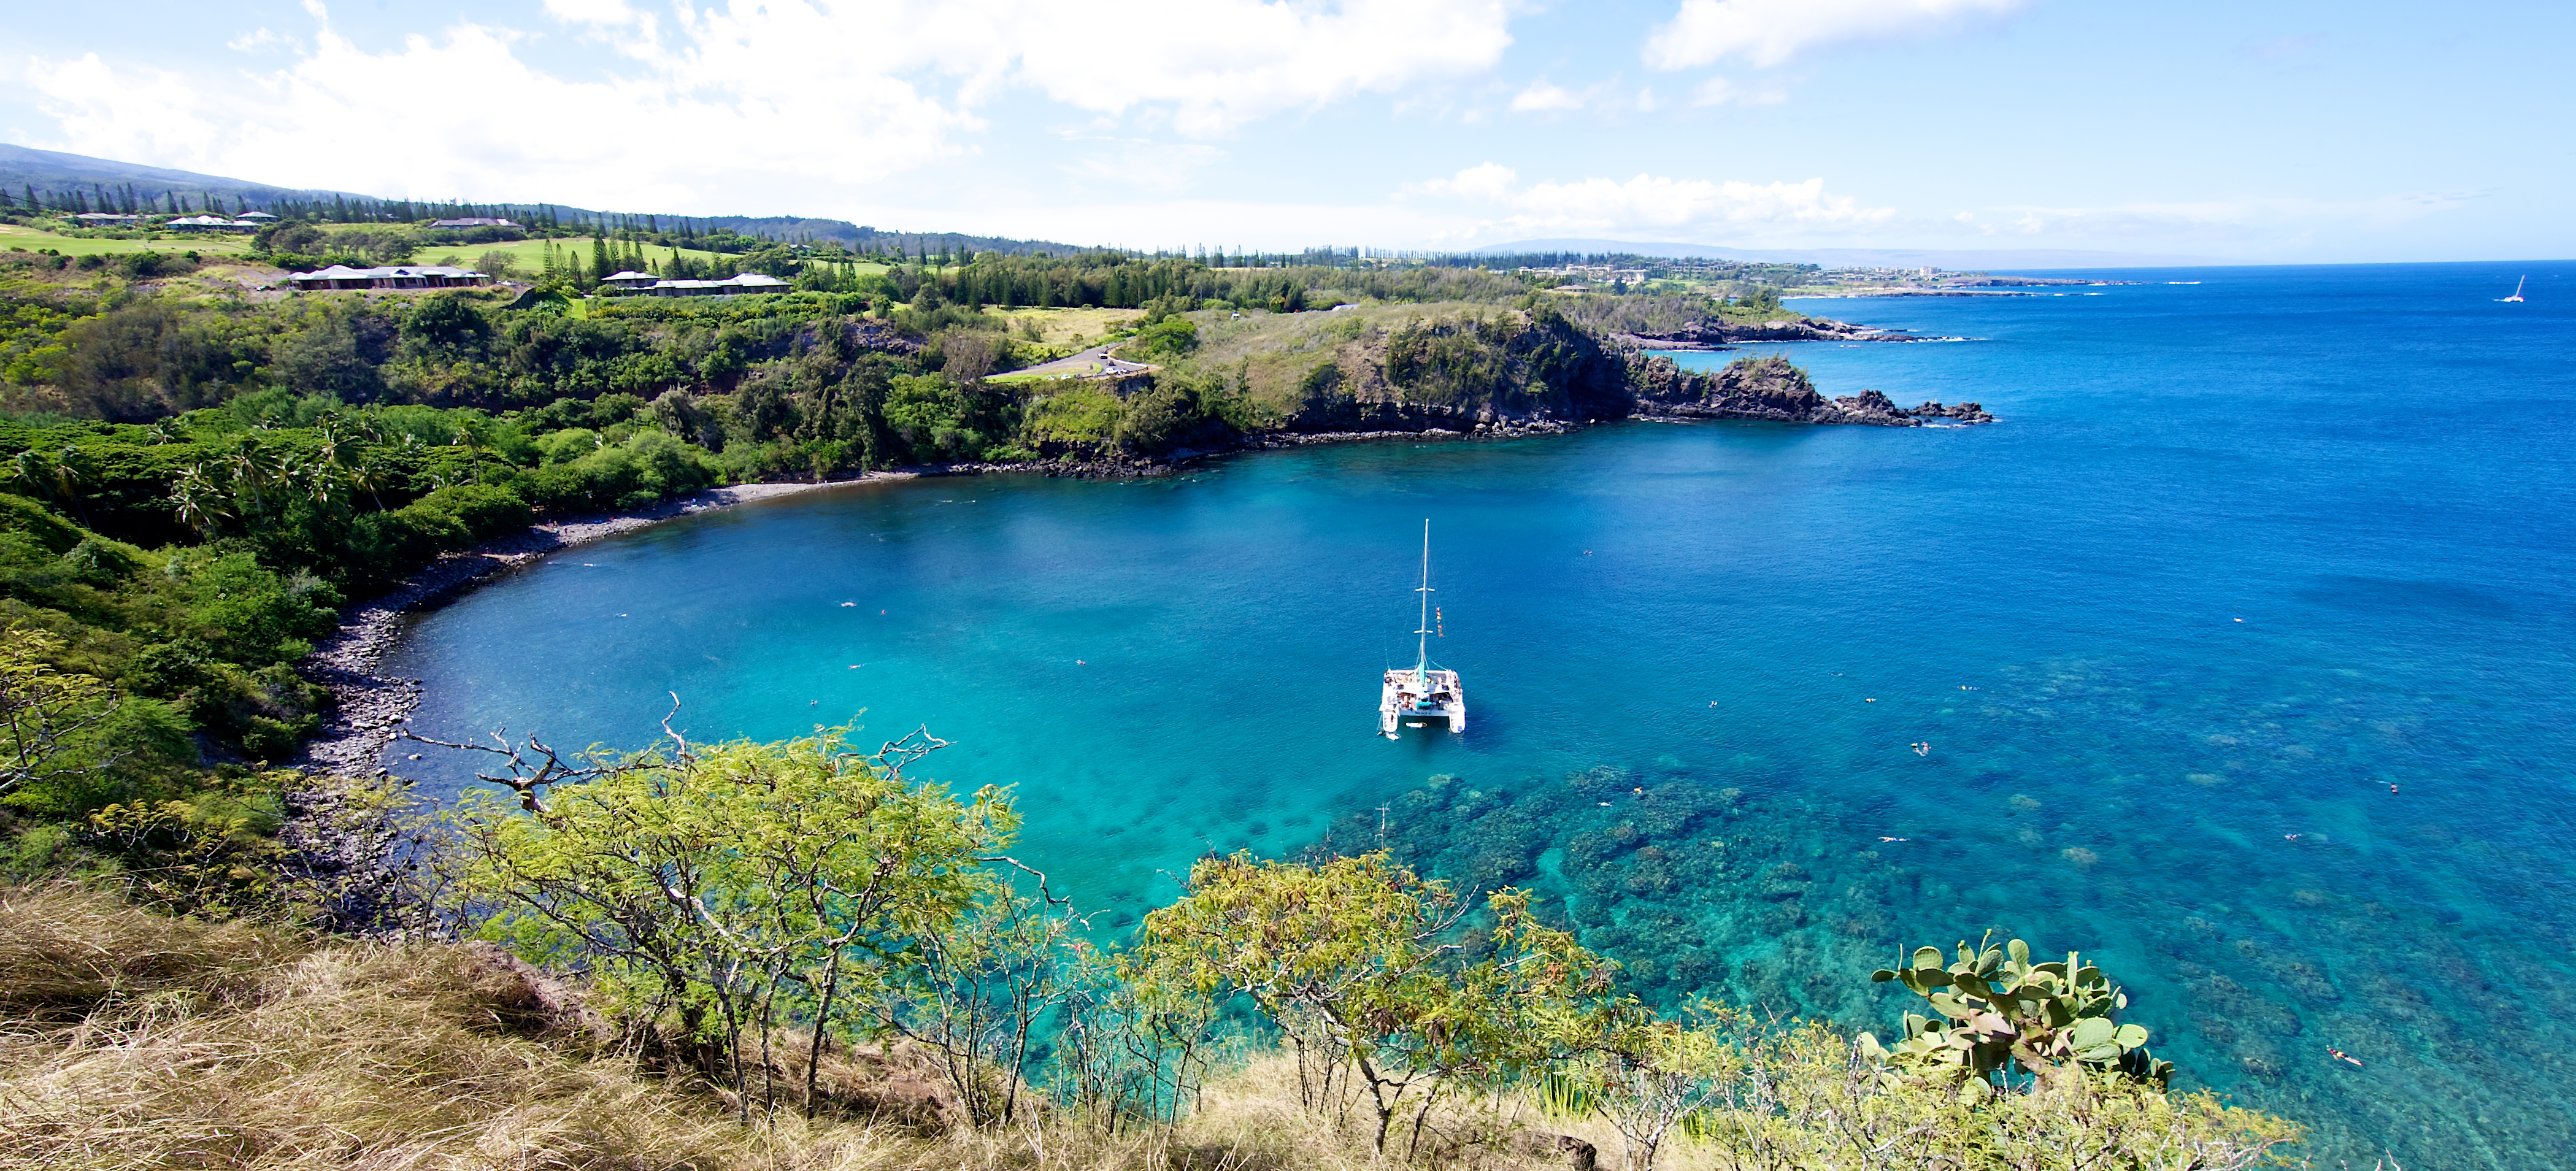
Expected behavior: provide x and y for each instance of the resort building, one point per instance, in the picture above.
(211, 223)
(408, 276)
(652, 286)
(106, 219)
(475, 221)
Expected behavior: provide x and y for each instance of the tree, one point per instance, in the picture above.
(980, 988)
(68, 474)
(32, 469)
(714, 893)
(197, 502)
(1366, 968)
(1645, 1074)
(47, 716)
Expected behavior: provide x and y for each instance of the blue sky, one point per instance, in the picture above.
(2263, 131)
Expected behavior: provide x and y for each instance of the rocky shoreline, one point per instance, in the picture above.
(1721, 335)
(344, 830)
(368, 708)
(1773, 389)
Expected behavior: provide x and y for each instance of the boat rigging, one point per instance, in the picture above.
(1425, 693)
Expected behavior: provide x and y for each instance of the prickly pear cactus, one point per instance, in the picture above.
(1995, 1010)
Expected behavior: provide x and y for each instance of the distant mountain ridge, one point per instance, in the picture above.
(1953, 259)
(51, 171)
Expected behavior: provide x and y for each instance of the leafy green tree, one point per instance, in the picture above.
(1647, 1074)
(979, 988)
(1132, 1048)
(1373, 974)
(715, 893)
(48, 718)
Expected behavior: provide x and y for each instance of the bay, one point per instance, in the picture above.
(2237, 655)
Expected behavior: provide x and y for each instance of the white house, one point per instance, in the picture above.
(736, 285)
(211, 223)
(406, 276)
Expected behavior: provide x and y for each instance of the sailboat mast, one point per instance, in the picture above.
(1422, 664)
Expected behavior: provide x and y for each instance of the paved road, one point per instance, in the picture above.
(1091, 363)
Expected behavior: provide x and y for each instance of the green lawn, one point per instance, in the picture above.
(204, 244)
(529, 255)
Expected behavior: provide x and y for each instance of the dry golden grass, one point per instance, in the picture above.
(134, 1041)
(1069, 329)
(131, 1041)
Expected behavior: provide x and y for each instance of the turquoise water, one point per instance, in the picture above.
(2241, 556)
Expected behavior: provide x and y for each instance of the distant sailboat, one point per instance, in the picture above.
(1422, 694)
(2516, 298)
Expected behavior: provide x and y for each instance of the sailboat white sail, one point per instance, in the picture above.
(1424, 693)
(2516, 298)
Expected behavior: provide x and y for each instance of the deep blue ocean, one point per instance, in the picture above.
(2237, 655)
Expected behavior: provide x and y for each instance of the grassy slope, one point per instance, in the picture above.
(132, 1041)
(530, 254)
(136, 1041)
(1274, 351)
(1071, 329)
(202, 243)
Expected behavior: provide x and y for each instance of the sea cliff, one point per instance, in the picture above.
(1774, 389)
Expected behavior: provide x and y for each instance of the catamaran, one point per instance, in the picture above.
(2516, 298)
(1424, 693)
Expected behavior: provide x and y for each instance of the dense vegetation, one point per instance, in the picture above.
(200, 472)
(845, 960)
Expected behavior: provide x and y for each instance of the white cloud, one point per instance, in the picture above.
(1143, 163)
(1489, 182)
(785, 97)
(253, 40)
(1214, 64)
(1543, 95)
(148, 114)
(591, 11)
(1768, 32)
(1221, 63)
(1731, 209)
(1717, 90)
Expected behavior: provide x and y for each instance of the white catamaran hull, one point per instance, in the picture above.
(1419, 697)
